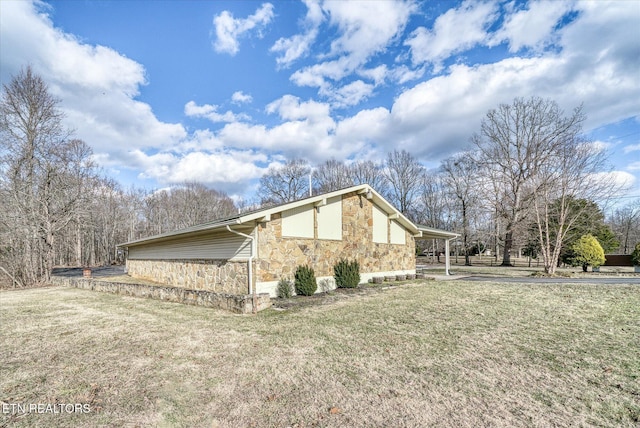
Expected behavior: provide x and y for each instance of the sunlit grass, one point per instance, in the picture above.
(430, 354)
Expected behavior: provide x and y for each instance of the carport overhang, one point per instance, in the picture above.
(432, 233)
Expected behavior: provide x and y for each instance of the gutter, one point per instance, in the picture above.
(250, 269)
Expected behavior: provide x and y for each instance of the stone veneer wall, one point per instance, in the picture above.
(279, 257)
(219, 276)
(242, 304)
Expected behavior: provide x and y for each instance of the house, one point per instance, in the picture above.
(249, 253)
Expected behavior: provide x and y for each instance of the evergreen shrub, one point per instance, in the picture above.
(346, 273)
(305, 281)
(285, 288)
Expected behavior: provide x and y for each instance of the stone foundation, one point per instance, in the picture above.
(241, 304)
(218, 276)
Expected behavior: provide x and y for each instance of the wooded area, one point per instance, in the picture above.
(530, 181)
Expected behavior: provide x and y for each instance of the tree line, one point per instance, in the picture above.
(528, 180)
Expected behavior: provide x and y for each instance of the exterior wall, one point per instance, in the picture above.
(219, 276)
(279, 256)
(220, 245)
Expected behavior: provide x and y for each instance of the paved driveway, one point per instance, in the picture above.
(96, 272)
(533, 280)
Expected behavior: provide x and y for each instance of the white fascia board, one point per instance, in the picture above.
(431, 233)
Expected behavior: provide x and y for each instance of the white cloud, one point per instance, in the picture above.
(600, 146)
(366, 128)
(377, 74)
(227, 169)
(621, 180)
(532, 27)
(240, 97)
(404, 74)
(210, 112)
(365, 29)
(455, 31)
(634, 166)
(294, 47)
(632, 148)
(289, 107)
(306, 131)
(299, 45)
(229, 29)
(96, 85)
(348, 95)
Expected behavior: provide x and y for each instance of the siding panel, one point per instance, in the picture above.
(212, 246)
(298, 222)
(397, 233)
(330, 219)
(380, 221)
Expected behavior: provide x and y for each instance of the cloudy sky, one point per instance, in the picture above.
(218, 91)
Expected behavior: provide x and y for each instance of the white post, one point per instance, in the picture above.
(447, 262)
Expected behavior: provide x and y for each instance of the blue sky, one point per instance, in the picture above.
(218, 91)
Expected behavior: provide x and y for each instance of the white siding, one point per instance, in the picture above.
(380, 221)
(397, 233)
(330, 219)
(211, 246)
(298, 222)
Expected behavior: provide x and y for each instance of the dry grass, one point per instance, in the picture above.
(431, 354)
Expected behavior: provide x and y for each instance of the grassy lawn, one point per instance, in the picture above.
(429, 354)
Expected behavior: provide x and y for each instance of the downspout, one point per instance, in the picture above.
(252, 287)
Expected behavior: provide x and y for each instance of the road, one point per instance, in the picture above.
(533, 280)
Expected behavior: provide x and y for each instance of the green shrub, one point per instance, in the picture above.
(635, 256)
(346, 273)
(305, 282)
(587, 252)
(285, 289)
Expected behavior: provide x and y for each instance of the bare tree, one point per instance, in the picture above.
(287, 183)
(432, 208)
(515, 142)
(186, 205)
(625, 223)
(44, 177)
(332, 175)
(461, 180)
(367, 172)
(403, 172)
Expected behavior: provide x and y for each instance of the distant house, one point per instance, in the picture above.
(250, 252)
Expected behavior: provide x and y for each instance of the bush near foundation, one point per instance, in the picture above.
(305, 281)
(285, 289)
(346, 273)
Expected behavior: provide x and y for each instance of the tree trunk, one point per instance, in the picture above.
(508, 243)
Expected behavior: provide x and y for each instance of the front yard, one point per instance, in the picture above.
(425, 354)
